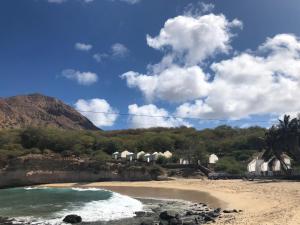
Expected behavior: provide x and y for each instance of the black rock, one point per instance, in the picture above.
(167, 215)
(147, 223)
(175, 221)
(140, 213)
(72, 219)
(189, 222)
(208, 218)
(163, 222)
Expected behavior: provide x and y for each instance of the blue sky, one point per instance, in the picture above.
(231, 60)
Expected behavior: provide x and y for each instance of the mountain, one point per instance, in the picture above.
(39, 110)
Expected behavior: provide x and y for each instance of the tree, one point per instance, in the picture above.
(283, 138)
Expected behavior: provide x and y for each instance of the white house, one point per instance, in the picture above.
(124, 154)
(116, 155)
(264, 167)
(139, 155)
(213, 159)
(255, 166)
(276, 165)
(287, 160)
(183, 161)
(148, 157)
(155, 156)
(168, 154)
(130, 156)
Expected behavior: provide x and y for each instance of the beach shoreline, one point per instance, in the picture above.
(262, 202)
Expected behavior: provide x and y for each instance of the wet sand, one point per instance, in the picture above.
(262, 202)
(167, 193)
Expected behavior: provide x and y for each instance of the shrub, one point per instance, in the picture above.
(161, 160)
(229, 165)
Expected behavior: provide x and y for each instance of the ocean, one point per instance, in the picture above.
(51, 205)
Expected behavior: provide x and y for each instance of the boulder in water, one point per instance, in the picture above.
(72, 219)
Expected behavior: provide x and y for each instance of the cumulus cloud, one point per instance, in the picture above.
(159, 117)
(83, 47)
(106, 115)
(194, 39)
(254, 83)
(82, 78)
(119, 50)
(99, 57)
(173, 84)
(188, 41)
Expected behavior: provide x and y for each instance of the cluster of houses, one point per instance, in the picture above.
(143, 156)
(259, 167)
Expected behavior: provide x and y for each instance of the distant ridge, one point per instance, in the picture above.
(40, 111)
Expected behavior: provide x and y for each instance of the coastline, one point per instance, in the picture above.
(262, 202)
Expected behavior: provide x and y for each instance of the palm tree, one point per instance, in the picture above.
(283, 138)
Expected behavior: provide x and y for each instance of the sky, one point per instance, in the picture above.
(148, 63)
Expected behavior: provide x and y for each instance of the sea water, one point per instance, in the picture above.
(51, 205)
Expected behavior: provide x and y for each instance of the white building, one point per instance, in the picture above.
(130, 156)
(264, 167)
(213, 159)
(276, 165)
(155, 156)
(168, 154)
(255, 166)
(140, 155)
(287, 160)
(124, 154)
(183, 161)
(116, 155)
(148, 157)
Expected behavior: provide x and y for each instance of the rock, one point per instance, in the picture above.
(140, 213)
(208, 218)
(175, 221)
(147, 222)
(218, 210)
(163, 222)
(189, 222)
(227, 211)
(72, 219)
(190, 213)
(167, 215)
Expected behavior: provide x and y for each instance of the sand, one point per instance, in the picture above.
(262, 202)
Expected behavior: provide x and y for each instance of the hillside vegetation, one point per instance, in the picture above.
(234, 146)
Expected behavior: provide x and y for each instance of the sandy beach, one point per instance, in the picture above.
(262, 202)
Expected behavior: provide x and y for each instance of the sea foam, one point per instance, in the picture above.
(116, 207)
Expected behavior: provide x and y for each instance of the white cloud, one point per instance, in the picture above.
(194, 39)
(119, 50)
(173, 84)
(83, 78)
(83, 47)
(254, 83)
(189, 40)
(106, 115)
(99, 57)
(147, 116)
(198, 8)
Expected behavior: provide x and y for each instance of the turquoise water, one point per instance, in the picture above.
(49, 204)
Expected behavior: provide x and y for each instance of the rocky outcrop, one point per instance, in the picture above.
(72, 219)
(40, 111)
(40, 170)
